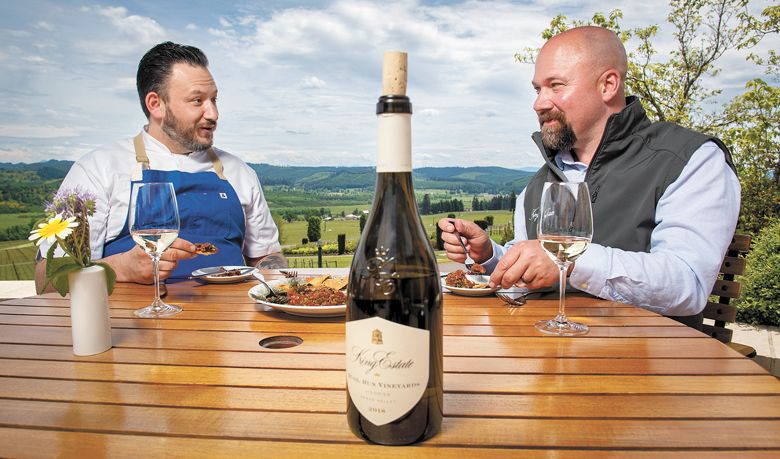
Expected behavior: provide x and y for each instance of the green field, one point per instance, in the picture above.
(9, 220)
(17, 260)
(292, 233)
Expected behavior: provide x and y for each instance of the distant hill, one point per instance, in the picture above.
(467, 179)
(51, 169)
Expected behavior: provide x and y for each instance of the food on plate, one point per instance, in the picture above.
(227, 273)
(458, 279)
(205, 248)
(477, 268)
(318, 291)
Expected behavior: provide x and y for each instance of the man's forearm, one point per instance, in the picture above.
(271, 261)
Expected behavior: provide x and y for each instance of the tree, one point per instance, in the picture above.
(362, 222)
(425, 206)
(313, 229)
(750, 125)
(475, 204)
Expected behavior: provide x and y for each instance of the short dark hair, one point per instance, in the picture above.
(156, 65)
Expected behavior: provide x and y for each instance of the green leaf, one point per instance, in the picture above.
(50, 268)
(60, 269)
(110, 277)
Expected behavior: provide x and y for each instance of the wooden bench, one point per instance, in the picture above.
(726, 289)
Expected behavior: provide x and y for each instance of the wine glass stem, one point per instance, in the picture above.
(562, 268)
(156, 273)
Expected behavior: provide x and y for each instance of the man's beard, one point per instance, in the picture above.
(557, 137)
(184, 135)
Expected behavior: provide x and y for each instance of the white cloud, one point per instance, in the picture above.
(34, 59)
(29, 131)
(125, 84)
(146, 30)
(312, 82)
(127, 33)
(44, 25)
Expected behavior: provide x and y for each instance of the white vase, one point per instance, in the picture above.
(89, 319)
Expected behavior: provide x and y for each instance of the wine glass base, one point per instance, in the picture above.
(161, 310)
(567, 328)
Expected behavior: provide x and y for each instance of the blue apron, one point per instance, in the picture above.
(209, 211)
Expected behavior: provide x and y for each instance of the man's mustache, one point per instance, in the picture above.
(550, 116)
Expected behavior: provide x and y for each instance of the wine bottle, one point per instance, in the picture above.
(394, 299)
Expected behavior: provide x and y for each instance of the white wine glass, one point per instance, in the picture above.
(154, 225)
(565, 231)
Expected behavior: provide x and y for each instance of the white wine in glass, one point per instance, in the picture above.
(154, 225)
(565, 231)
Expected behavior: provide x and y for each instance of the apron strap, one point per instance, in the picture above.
(142, 159)
(216, 162)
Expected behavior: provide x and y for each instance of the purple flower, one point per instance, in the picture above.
(73, 202)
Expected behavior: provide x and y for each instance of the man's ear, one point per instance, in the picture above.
(610, 85)
(155, 105)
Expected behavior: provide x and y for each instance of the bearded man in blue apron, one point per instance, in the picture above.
(219, 196)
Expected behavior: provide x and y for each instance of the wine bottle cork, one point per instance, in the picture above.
(394, 73)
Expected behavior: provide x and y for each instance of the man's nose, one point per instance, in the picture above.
(542, 102)
(211, 112)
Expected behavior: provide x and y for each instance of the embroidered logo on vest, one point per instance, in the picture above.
(535, 215)
(223, 195)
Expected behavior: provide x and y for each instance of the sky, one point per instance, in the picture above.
(298, 80)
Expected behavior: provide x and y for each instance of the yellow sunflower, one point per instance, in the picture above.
(55, 228)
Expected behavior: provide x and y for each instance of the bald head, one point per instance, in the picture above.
(598, 48)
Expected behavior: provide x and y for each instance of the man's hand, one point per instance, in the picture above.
(477, 240)
(135, 265)
(526, 264)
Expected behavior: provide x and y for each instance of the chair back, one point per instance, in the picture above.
(726, 289)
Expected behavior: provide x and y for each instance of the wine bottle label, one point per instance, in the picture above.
(395, 142)
(387, 368)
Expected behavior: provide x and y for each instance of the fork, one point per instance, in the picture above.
(289, 274)
(512, 302)
(469, 262)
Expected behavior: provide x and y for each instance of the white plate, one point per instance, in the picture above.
(476, 278)
(259, 292)
(203, 274)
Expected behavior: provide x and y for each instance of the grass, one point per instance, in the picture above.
(340, 261)
(9, 220)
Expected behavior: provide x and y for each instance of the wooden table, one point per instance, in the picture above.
(198, 384)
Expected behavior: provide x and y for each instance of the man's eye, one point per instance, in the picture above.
(197, 100)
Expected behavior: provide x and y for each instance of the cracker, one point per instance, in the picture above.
(336, 283)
